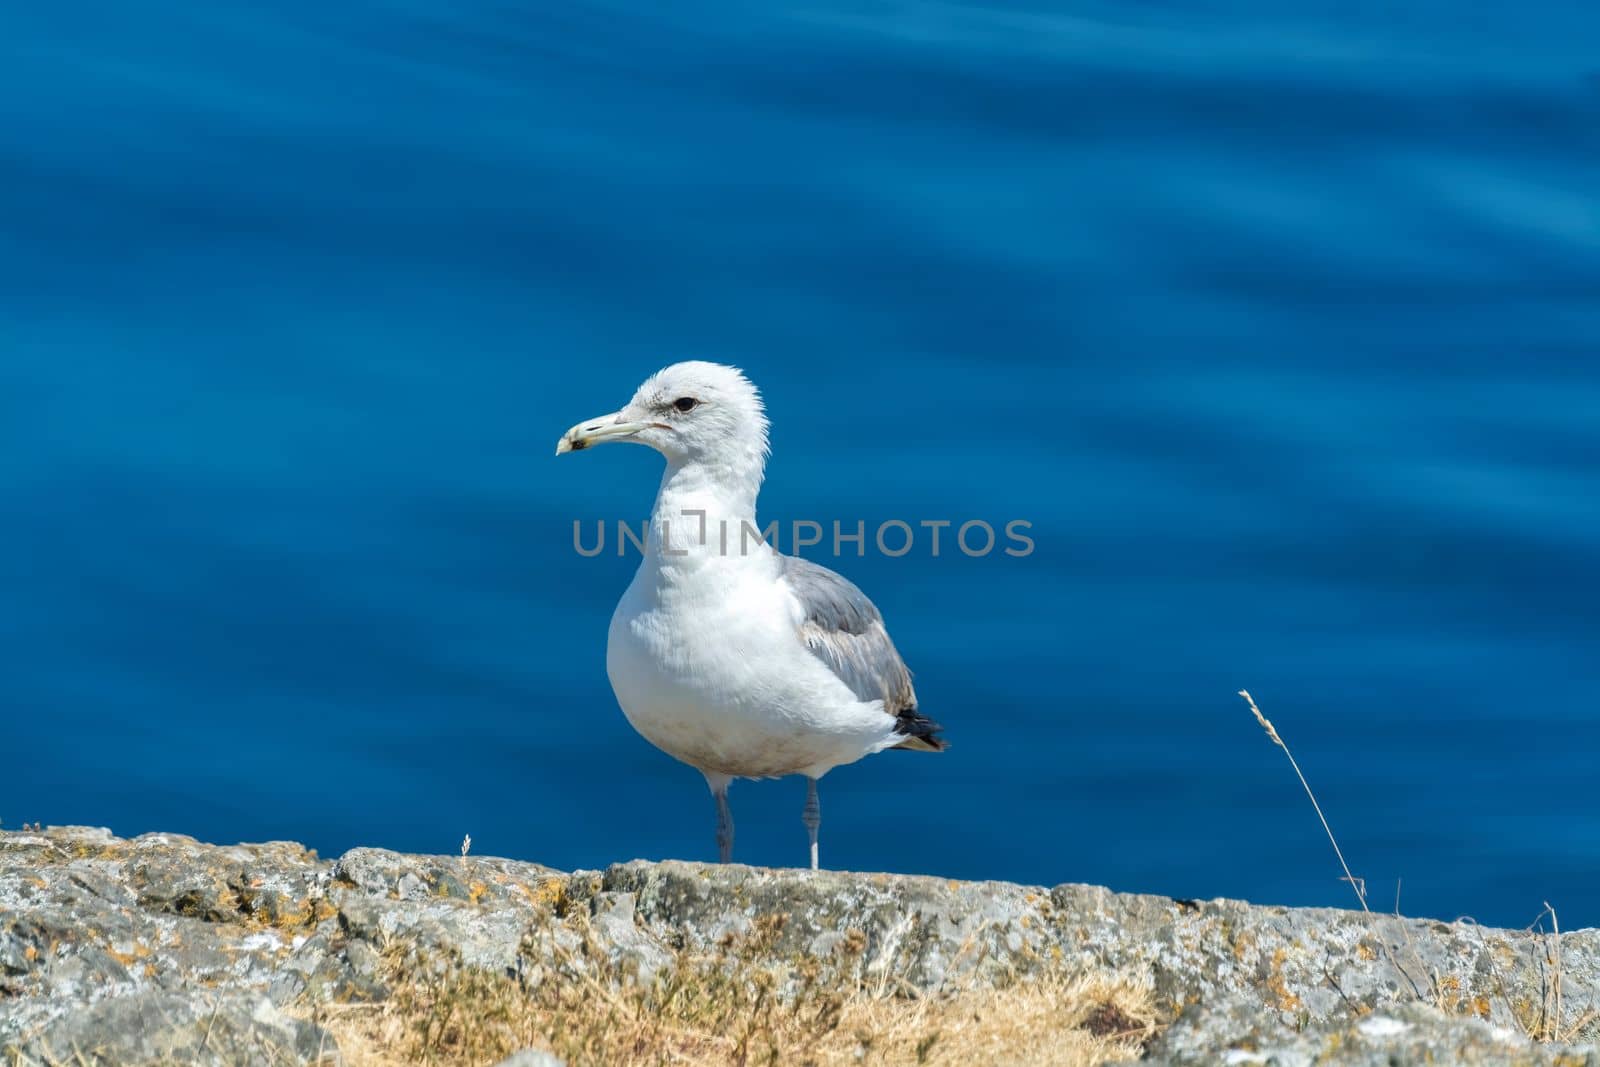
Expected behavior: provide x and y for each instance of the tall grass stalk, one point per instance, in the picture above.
(1356, 884)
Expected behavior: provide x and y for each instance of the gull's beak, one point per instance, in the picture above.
(597, 432)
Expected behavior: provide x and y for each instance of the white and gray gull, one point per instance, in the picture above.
(724, 653)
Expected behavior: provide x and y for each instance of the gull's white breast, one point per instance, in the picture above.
(706, 660)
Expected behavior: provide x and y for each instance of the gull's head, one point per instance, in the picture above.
(692, 413)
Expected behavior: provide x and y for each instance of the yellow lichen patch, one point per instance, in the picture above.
(1366, 952)
(476, 892)
(1279, 986)
(129, 958)
(1480, 1006)
(1244, 943)
(308, 911)
(30, 953)
(550, 893)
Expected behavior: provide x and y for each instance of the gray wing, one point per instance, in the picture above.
(843, 629)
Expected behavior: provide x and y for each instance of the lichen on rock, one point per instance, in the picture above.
(163, 949)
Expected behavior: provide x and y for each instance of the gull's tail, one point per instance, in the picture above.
(922, 733)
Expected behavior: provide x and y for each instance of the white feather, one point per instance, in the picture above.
(705, 651)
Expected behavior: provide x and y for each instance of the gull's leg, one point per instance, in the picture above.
(724, 827)
(719, 790)
(812, 817)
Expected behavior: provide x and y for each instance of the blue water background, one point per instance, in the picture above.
(1280, 323)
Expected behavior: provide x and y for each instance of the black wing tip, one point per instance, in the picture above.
(920, 731)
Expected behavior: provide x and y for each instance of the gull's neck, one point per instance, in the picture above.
(701, 511)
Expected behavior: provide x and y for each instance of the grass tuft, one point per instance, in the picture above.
(731, 1004)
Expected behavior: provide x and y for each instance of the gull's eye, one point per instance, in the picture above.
(686, 403)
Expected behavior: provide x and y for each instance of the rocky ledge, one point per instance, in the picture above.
(162, 949)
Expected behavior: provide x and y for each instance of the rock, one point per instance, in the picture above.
(1238, 1033)
(128, 946)
(475, 908)
(161, 948)
(531, 1058)
(190, 1027)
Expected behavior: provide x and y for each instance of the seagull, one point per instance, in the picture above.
(724, 653)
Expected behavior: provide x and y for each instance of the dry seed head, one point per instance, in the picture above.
(1266, 723)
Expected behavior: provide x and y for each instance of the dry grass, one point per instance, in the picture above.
(1548, 1025)
(737, 1004)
